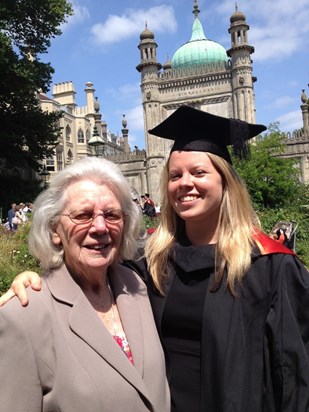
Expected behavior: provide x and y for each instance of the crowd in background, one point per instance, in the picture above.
(147, 205)
(17, 215)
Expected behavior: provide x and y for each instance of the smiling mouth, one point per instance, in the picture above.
(188, 198)
(97, 247)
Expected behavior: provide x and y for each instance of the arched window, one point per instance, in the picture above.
(80, 136)
(69, 157)
(87, 135)
(68, 133)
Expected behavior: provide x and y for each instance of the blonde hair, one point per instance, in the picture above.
(237, 223)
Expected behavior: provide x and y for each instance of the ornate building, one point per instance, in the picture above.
(297, 143)
(83, 130)
(84, 133)
(201, 74)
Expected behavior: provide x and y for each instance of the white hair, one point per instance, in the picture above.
(50, 203)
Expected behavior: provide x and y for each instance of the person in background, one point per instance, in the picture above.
(149, 206)
(231, 305)
(23, 212)
(18, 219)
(88, 341)
(27, 208)
(158, 209)
(11, 214)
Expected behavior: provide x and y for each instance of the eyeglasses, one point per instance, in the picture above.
(84, 217)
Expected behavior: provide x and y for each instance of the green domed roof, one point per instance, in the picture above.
(199, 50)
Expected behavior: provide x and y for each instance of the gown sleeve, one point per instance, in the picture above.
(287, 336)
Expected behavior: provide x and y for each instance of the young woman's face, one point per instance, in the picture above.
(195, 187)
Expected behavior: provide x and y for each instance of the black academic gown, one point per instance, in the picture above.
(254, 348)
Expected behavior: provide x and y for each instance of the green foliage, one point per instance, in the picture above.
(33, 23)
(274, 187)
(14, 255)
(27, 134)
(149, 222)
(272, 181)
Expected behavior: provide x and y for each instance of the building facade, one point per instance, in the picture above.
(201, 74)
(84, 133)
(297, 143)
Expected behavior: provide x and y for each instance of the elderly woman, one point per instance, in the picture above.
(88, 341)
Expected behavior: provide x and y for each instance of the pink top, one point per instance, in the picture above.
(124, 344)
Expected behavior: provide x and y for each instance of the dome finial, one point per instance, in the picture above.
(196, 11)
(303, 97)
(237, 16)
(167, 65)
(146, 34)
(124, 121)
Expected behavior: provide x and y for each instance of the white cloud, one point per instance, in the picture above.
(283, 101)
(132, 23)
(124, 95)
(277, 29)
(290, 121)
(131, 92)
(80, 15)
(135, 118)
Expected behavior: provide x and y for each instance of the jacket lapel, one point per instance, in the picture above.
(130, 309)
(84, 321)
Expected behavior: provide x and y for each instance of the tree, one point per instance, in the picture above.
(27, 134)
(272, 181)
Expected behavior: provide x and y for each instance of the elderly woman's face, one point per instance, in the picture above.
(89, 248)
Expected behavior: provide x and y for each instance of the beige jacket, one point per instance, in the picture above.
(56, 355)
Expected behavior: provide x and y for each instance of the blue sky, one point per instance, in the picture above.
(99, 44)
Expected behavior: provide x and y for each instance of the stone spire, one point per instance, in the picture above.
(97, 116)
(125, 134)
(305, 113)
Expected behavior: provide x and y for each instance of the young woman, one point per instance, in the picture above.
(231, 305)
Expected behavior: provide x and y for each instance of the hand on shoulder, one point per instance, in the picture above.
(19, 285)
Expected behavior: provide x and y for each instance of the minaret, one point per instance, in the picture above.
(148, 50)
(241, 63)
(149, 69)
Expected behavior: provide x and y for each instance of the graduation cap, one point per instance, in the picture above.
(196, 130)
